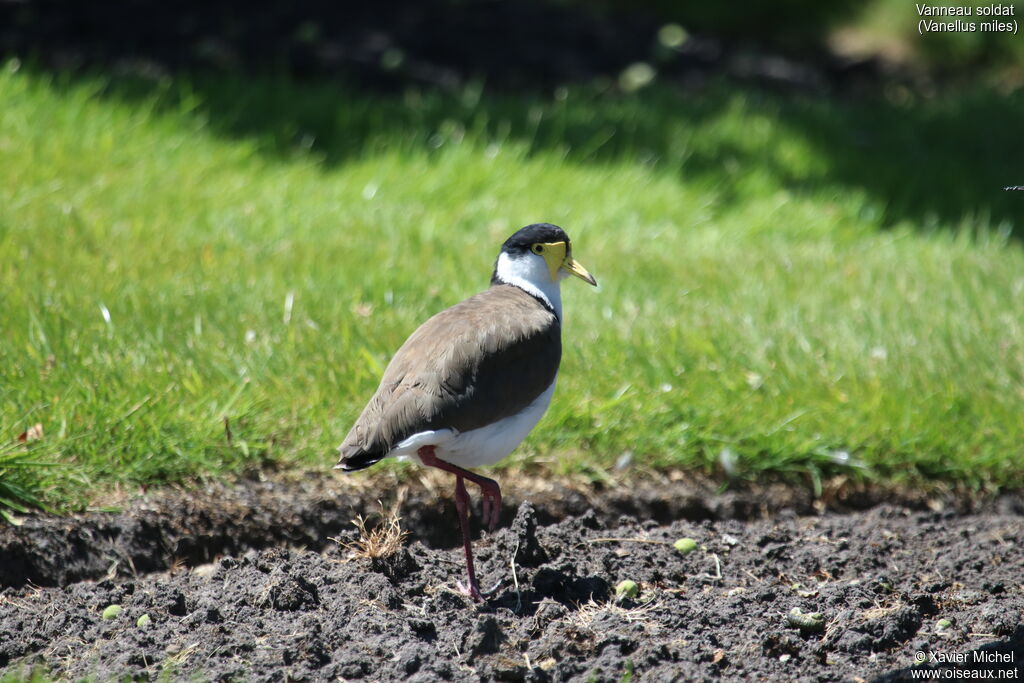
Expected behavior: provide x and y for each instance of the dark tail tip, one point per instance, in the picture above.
(359, 460)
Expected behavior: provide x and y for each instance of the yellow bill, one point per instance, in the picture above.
(577, 269)
(557, 259)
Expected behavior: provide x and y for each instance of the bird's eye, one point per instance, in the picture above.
(538, 248)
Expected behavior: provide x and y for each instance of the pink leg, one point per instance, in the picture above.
(462, 505)
(488, 487)
(492, 508)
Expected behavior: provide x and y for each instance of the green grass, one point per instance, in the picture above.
(783, 279)
(26, 675)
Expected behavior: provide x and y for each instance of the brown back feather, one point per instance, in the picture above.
(468, 366)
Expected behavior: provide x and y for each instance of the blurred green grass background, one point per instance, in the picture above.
(795, 286)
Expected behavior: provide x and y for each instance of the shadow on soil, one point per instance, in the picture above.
(174, 529)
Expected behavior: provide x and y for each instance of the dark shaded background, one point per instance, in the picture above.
(932, 156)
(520, 43)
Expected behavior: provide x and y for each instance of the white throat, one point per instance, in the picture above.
(530, 272)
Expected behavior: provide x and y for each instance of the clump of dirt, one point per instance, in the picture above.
(896, 588)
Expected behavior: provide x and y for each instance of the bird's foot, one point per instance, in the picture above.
(473, 591)
(492, 505)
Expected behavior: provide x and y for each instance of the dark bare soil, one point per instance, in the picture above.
(231, 593)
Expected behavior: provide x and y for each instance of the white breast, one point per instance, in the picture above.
(483, 446)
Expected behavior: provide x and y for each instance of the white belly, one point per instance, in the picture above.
(483, 446)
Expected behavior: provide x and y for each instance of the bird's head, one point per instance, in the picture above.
(539, 254)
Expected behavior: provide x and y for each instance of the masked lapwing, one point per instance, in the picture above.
(468, 386)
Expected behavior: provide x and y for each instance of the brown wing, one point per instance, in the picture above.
(473, 364)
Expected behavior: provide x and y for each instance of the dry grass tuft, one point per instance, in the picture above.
(584, 618)
(377, 541)
(880, 611)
